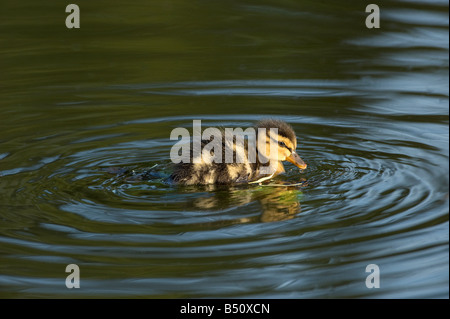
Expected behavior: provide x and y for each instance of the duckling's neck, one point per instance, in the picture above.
(270, 167)
(280, 169)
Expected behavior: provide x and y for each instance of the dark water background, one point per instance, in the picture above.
(369, 106)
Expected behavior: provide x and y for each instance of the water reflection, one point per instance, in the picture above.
(279, 200)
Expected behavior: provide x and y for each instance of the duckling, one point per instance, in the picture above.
(266, 164)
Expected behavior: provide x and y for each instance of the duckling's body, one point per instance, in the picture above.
(244, 167)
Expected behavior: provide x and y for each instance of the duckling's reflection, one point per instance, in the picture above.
(277, 202)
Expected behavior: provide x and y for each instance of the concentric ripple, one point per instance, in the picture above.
(360, 192)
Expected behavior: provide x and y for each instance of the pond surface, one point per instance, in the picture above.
(369, 107)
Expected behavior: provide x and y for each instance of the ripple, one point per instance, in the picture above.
(275, 88)
(94, 207)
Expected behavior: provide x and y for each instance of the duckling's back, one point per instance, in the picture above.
(202, 171)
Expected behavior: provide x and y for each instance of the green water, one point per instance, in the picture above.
(369, 107)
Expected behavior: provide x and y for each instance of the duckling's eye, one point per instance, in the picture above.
(282, 144)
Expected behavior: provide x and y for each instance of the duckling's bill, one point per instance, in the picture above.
(295, 159)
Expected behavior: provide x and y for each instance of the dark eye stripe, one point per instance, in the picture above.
(290, 149)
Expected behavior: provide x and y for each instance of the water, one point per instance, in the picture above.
(369, 106)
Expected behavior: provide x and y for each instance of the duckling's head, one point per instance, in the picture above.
(280, 134)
